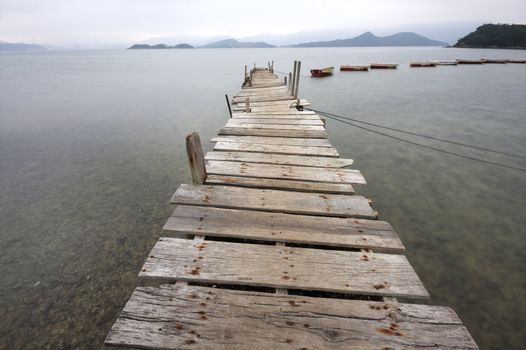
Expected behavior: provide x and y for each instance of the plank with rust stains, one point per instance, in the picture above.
(285, 172)
(279, 184)
(216, 262)
(242, 121)
(274, 140)
(276, 149)
(288, 228)
(247, 131)
(178, 317)
(275, 201)
(285, 159)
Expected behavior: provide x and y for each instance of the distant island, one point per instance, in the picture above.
(20, 47)
(498, 36)
(160, 46)
(369, 39)
(235, 44)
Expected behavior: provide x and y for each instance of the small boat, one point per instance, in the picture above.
(347, 68)
(383, 65)
(423, 64)
(447, 63)
(516, 61)
(492, 60)
(462, 61)
(321, 72)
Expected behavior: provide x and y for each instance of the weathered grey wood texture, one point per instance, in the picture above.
(276, 149)
(274, 200)
(248, 131)
(274, 141)
(196, 158)
(285, 159)
(278, 227)
(174, 259)
(187, 317)
(284, 172)
(279, 184)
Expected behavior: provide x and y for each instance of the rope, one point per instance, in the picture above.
(422, 145)
(420, 135)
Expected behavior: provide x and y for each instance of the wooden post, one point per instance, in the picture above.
(293, 78)
(285, 80)
(272, 67)
(228, 104)
(246, 74)
(196, 158)
(247, 105)
(290, 80)
(297, 80)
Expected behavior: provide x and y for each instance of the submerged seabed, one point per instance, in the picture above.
(92, 147)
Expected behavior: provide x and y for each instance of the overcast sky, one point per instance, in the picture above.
(85, 22)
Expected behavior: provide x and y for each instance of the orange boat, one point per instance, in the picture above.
(423, 64)
(347, 68)
(321, 72)
(384, 65)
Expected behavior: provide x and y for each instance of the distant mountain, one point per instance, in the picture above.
(235, 44)
(502, 36)
(160, 46)
(20, 47)
(369, 39)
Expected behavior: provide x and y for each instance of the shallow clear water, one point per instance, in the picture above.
(92, 147)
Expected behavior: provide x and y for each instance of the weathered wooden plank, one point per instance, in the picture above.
(230, 124)
(180, 317)
(285, 159)
(174, 259)
(279, 184)
(274, 141)
(287, 112)
(282, 116)
(242, 121)
(275, 201)
(273, 132)
(196, 158)
(259, 90)
(268, 97)
(277, 149)
(286, 103)
(285, 172)
(278, 227)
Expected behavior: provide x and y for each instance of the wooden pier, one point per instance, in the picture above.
(270, 248)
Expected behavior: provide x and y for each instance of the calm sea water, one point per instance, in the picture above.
(92, 147)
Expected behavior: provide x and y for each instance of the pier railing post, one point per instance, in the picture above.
(293, 83)
(196, 158)
(247, 105)
(297, 80)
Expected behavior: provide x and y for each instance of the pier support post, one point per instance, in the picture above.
(297, 80)
(293, 82)
(290, 80)
(196, 158)
(247, 105)
(272, 66)
(285, 80)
